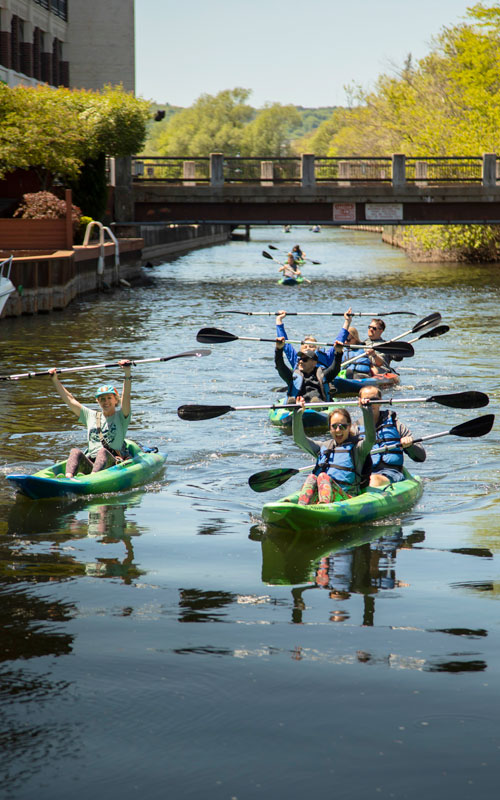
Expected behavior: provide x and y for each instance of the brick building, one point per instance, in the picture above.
(74, 43)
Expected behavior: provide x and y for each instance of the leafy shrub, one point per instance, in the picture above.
(45, 205)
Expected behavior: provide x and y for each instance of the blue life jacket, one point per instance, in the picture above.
(338, 462)
(361, 365)
(296, 387)
(387, 434)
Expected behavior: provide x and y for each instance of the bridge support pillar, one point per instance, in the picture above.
(189, 173)
(489, 169)
(398, 169)
(308, 175)
(216, 169)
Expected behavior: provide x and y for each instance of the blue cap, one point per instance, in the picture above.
(107, 389)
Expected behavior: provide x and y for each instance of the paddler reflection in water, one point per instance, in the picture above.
(388, 467)
(342, 464)
(106, 428)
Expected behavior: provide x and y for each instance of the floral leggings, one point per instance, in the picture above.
(79, 462)
(320, 489)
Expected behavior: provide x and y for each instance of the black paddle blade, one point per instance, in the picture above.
(195, 412)
(214, 336)
(461, 400)
(267, 255)
(401, 349)
(435, 332)
(475, 427)
(270, 479)
(430, 319)
(272, 247)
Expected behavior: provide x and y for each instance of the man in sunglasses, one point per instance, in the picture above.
(388, 467)
(308, 379)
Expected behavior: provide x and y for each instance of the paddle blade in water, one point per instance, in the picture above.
(475, 427)
(214, 336)
(461, 400)
(270, 479)
(194, 412)
(430, 319)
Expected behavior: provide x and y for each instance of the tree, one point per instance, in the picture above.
(269, 133)
(212, 124)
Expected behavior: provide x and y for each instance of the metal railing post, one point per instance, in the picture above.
(489, 177)
(307, 173)
(398, 170)
(216, 169)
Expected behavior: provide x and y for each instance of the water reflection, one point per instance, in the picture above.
(35, 525)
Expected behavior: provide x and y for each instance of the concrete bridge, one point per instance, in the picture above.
(395, 190)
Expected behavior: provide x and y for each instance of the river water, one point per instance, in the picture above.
(162, 643)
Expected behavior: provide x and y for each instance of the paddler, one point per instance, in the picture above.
(290, 269)
(106, 428)
(308, 379)
(380, 363)
(297, 253)
(342, 462)
(388, 467)
(308, 343)
(362, 367)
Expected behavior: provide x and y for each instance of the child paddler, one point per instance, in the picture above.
(388, 467)
(106, 428)
(342, 462)
(308, 343)
(290, 269)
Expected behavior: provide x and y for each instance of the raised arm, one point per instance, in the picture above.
(127, 380)
(299, 436)
(74, 406)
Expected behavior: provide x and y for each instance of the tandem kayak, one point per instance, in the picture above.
(369, 505)
(316, 418)
(346, 385)
(51, 481)
(291, 281)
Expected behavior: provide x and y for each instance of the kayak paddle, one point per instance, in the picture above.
(196, 353)
(301, 258)
(216, 336)
(272, 478)
(316, 313)
(457, 400)
(425, 322)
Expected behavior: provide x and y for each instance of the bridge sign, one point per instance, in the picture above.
(344, 212)
(383, 211)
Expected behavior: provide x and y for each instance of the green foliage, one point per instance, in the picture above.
(213, 124)
(458, 242)
(90, 189)
(269, 133)
(57, 130)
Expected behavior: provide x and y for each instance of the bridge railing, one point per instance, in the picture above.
(309, 170)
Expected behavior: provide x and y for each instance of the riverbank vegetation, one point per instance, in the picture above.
(64, 134)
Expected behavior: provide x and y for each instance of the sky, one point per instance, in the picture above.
(297, 51)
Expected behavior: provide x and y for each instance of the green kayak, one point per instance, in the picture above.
(313, 418)
(369, 505)
(50, 482)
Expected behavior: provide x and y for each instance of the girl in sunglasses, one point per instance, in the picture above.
(343, 463)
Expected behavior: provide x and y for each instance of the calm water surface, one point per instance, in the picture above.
(162, 643)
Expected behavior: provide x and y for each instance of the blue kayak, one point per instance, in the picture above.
(52, 482)
(345, 385)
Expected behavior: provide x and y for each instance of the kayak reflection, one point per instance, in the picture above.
(104, 520)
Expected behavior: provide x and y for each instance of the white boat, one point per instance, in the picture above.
(6, 285)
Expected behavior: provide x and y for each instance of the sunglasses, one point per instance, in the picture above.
(306, 358)
(339, 426)
(373, 327)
